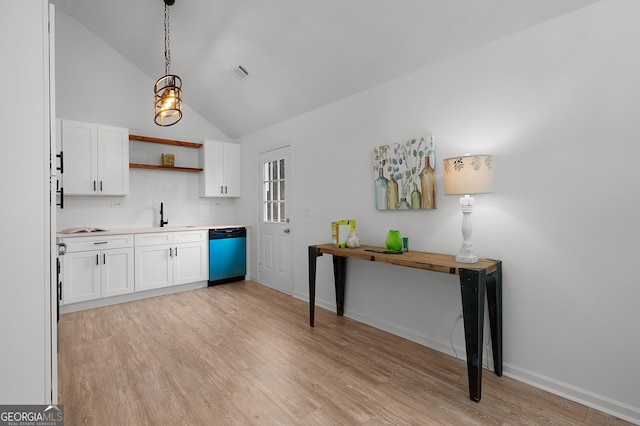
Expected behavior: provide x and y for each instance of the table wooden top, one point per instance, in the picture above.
(437, 262)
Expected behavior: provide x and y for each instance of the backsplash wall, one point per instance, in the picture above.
(141, 208)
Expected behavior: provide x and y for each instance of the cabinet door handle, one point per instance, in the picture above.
(225, 189)
(100, 186)
(176, 252)
(170, 252)
(104, 259)
(61, 157)
(97, 259)
(221, 189)
(100, 242)
(94, 185)
(61, 192)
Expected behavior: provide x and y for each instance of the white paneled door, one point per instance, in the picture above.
(274, 234)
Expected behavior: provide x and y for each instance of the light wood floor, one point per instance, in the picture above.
(244, 354)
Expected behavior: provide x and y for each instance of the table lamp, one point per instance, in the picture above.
(468, 175)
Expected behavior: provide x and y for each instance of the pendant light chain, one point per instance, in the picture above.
(167, 51)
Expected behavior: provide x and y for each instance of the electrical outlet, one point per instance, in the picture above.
(116, 204)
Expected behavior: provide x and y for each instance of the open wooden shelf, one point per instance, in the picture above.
(165, 141)
(170, 169)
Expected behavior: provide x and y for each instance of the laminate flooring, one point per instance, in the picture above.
(244, 354)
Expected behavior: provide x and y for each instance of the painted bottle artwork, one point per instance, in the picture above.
(404, 175)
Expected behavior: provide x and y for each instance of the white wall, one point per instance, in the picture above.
(558, 107)
(94, 83)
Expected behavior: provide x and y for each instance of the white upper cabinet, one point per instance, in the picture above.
(221, 174)
(96, 158)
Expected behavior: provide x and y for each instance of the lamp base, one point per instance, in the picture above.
(467, 259)
(466, 255)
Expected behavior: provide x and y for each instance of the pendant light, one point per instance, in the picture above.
(168, 89)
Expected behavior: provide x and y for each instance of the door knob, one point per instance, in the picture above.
(286, 230)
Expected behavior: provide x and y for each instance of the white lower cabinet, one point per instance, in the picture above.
(116, 273)
(154, 267)
(190, 263)
(170, 258)
(95, 267)
(81, 277)
(98, 267)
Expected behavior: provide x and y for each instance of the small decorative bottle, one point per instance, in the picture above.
(381, 190)
(394, 241)
(428, 184)
(392, 193)
(416, 198)
(404, 205)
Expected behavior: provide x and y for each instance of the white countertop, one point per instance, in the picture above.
(147, 230)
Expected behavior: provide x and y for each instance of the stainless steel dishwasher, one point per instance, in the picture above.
(227, 255)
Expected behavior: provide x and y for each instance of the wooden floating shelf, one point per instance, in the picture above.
(165, 142)
(171, 169)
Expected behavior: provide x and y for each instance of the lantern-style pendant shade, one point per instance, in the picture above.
(168, 100)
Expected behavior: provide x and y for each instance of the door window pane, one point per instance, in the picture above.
(273, 197)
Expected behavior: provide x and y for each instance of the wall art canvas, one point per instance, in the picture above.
(405, 175)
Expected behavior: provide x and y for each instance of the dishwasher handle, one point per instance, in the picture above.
(218, 234)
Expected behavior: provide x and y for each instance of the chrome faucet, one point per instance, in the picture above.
(162, 221)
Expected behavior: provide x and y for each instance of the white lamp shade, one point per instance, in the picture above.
(469, 174)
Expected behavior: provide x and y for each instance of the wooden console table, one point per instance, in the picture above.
(475, 278)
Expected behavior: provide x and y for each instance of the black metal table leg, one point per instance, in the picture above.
(494, 302)
(340, 277)
(472, 284)
(313, 256)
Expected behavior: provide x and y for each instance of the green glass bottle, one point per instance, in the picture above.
(416, 198)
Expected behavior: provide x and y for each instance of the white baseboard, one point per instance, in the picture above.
(574, 393)
(99, 303)
(556, 387)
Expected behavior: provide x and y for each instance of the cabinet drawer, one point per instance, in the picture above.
(190, 236)
(98, 243)
(153, 239)
(176, 237)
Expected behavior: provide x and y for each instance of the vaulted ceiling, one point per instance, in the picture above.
(300, 54)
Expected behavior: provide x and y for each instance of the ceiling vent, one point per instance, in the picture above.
(241, 73)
